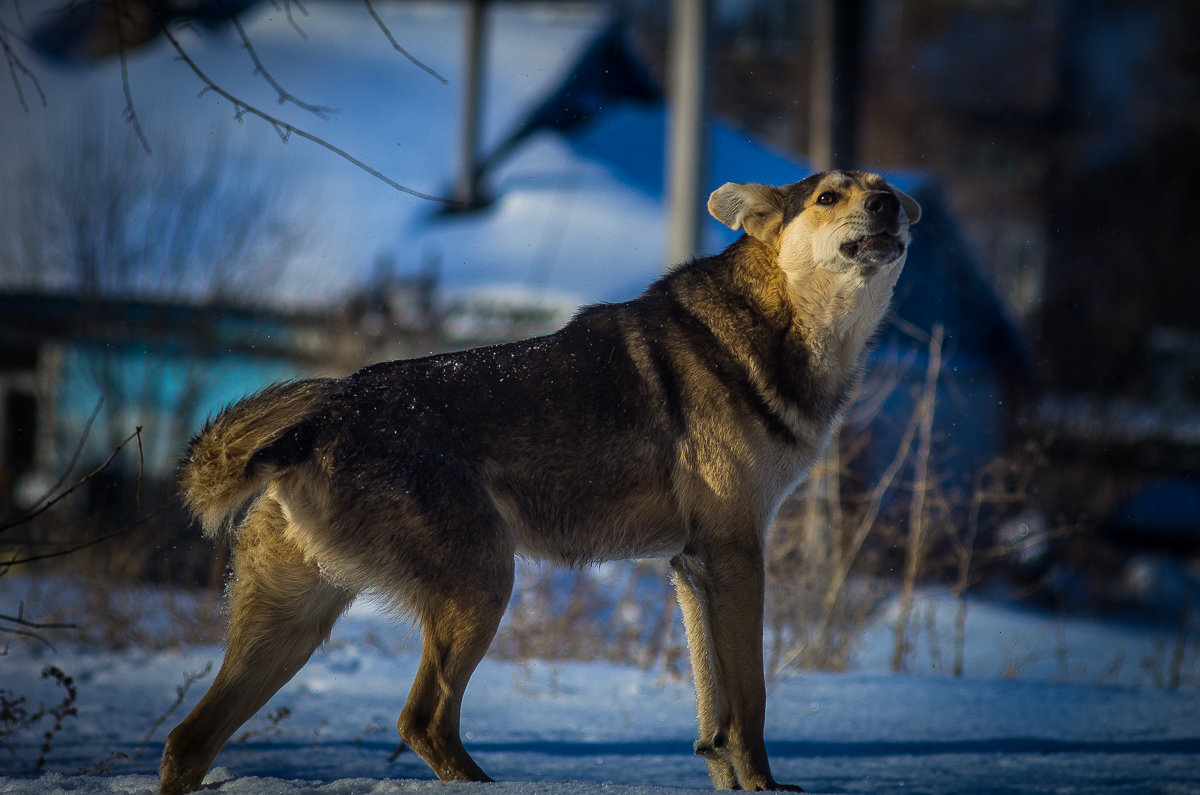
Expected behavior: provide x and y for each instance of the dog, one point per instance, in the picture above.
(670, 425)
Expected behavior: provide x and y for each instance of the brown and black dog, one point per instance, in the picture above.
(671, 425)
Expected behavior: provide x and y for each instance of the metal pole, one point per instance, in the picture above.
(466, 188)
(833, 109)
(687, 140)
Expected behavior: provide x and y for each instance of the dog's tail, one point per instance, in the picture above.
(246, 445)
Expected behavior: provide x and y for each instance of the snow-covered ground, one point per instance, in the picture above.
(1047, 705)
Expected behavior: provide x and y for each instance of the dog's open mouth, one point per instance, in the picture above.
(874, 249)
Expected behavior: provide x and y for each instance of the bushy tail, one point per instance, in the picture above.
(221, 469)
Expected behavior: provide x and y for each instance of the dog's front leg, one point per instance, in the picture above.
(721, 596)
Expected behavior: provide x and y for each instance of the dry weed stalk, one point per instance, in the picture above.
(932, 517)
(108, 617)
(16, 717)
(189, 678)
(914, 551)
(824, 583)
(1002, 484)
(19, 625)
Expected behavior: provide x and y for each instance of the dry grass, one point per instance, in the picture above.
(100, 612)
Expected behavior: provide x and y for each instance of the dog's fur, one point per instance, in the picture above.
(671, 425)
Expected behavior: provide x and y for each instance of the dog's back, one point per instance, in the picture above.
(596, 442)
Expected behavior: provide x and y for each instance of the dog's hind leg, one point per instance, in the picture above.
(459, 618)
(281, 610)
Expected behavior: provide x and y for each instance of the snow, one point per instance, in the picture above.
(387, 112)
(1094, 724)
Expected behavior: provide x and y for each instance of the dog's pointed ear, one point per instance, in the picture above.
(751, 206)
(911, 208)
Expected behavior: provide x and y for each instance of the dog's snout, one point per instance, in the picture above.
(882, 203)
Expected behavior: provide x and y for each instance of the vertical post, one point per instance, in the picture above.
(836, 66)
(687, 140)
(466, 188)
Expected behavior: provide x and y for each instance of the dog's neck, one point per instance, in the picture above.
(838, 313)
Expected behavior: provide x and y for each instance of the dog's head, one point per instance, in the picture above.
(844, 222)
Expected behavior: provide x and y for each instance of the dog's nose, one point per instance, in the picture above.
(882, 203)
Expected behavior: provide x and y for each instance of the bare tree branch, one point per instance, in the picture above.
(30, 627)
(21, 621)
(865, 524)
(87, 429)
(137, 433)
(16, 67)
(396, 44)
(286, 8)
(129, 111)
(285, 130)
(260, 69)
(25, 633)
(62, 553)
(121, 44)
(141, 468)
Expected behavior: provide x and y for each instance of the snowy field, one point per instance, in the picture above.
(1047, 705)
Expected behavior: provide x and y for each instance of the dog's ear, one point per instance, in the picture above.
(911, 208)
(751, 206)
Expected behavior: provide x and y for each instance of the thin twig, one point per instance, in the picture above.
(285, 130)
(320, 111)
(66, 709)
(25, 633)
(189, 679)
(130, 111)
(287, 10)
(916, 516)
(379, 21)
(20, 621)
(141, 465)
(87, 429)
(126, 530)
(64, 494)
(865, 525)
(17, 67)
(966, 551)
(911, 329)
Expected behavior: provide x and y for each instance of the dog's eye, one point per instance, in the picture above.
(828, 197)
